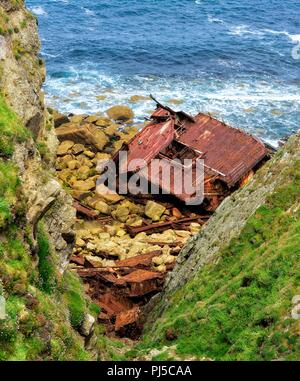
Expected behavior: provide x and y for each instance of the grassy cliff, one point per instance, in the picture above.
(239, 308)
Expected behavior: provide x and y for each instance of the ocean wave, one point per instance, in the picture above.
(88, 12)
(39, 11)
(241, 30)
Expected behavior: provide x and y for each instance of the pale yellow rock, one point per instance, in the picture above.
(111, 230)
(72, 164)
(104, 236)
(84, 185)
(120, 112)
(157, 261)
(64, 175)
(112, 129)
(92, 118)
(162, 268)
(96, 231)
(134, 221)
(64, 147)
(84, 170)
(154, 210)
(102, 156)
(121, 233)
(77, 118)
(80, 242)
(66, 158)
(121, 213)
(103, 122)
(170, 259)
(183, 233)
(94, 261)
(89, 154)
(195, 228)
(103, 208)
(78, 149)
(108, 195)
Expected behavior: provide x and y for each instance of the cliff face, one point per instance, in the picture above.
(22, 71)
(22, 74)
(47, 315)
(233, 291)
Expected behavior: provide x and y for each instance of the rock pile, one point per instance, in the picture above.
(119, 268)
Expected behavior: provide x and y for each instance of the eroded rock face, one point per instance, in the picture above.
(22, 71)
(45, 198)
(22, 74)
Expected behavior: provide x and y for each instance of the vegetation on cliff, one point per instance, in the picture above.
(44, 309)
(240, 308)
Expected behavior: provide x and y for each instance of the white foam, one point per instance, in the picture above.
(241, 30)
(88, 12)
(213, 19)
(39, 11)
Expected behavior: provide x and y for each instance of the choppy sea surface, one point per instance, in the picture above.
(237, 59)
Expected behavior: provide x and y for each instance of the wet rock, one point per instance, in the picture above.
(175, 101)
(64, 147)
(138, 98)
(154, 210)
(121, 112)
(101, 97)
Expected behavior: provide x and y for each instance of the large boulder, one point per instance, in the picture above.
(154, 210)
(121, 112)
(64, 147)
(87, 134)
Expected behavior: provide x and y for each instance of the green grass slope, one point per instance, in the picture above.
(240, 308)
(43, 308)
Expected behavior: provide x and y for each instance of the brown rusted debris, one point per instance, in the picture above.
(152, 228)
(127, 323)
(120, 291)
(229, 154)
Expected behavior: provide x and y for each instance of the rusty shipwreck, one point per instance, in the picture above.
(230, 155)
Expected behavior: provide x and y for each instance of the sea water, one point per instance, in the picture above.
(237, 59)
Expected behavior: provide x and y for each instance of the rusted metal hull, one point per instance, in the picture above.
(229, 154)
